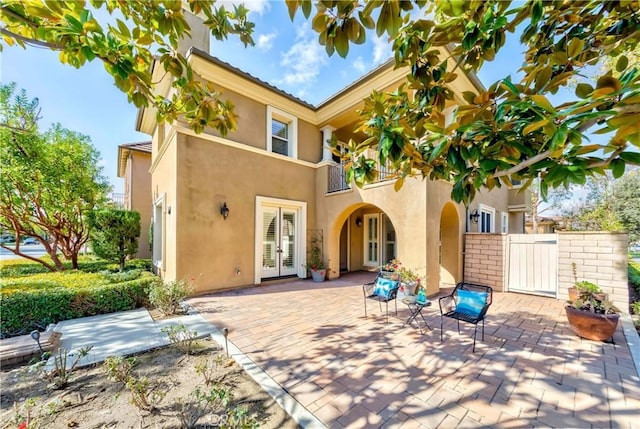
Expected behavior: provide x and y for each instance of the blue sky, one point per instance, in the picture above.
(287, 55)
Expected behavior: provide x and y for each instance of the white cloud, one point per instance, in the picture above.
(265, 41)
(254, 6)
(303, 60)
(359, 65)
(381, 49)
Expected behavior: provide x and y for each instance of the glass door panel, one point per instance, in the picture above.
(279, 242)
(371, 252)
(269, 242)
(288, 244)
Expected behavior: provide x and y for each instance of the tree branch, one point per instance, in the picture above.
(522, 165)
(29, 41)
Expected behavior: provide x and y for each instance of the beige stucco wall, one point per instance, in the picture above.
(208, 248)
(497, 198)
(485, 259)
(406, 209)
(439, 196)
(424, 218)
(163, 188)
(140, 196)
(252, 127)
(600, 257)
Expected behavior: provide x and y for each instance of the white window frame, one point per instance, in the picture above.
(505, 222)
(292, 124)
(158, 231)
(301, 208)
(490, 210)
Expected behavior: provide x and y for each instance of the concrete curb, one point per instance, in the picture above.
(633, 340)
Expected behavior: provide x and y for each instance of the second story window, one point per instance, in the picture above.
(282, 132)
(279, 137)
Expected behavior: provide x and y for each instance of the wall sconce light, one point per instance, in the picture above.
(224, 211)
(358, 221)
(474, 216)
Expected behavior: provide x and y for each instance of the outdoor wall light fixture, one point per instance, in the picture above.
(358, 221)
(224, 211)
(474, 216)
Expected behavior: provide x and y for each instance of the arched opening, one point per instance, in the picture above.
(449, 246)
(364, 238)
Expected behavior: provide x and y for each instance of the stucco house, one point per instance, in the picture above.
(134, 161)
(281, 185)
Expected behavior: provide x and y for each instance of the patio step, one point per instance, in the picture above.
(17, 350)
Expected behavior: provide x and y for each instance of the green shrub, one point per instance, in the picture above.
(166, 297)
(26, 306)
(634, 275)
(88, 264)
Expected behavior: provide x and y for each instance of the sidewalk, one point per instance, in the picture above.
(122, 333)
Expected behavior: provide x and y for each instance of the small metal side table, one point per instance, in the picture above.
(416, 310)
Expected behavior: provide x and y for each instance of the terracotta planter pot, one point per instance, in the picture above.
(592, 326)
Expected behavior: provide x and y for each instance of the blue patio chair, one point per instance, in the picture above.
(468, 302)
(383, 289)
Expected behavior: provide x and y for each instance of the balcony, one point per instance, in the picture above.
(337, 178)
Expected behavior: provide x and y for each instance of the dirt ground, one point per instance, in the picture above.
(92, 400)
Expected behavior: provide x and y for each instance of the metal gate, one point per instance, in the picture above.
(533, 264)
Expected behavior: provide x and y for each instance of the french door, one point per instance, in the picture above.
(280, 226)
(379, 240)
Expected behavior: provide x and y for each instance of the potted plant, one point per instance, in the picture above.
(409, 280)
(592, 315)
(315, 264)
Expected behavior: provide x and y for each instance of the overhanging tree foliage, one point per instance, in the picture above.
(114, 234)
(511, 131)
(127, 47)
(49, 182)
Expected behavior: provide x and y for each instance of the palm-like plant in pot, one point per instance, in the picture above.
(592, 315)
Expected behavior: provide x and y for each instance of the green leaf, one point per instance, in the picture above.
(123, 29)
(536, 11)
(306, 8)
(617, 167)
(341, 43)
(292, 7)
(509, 86)
(583, 90)
(631, 157)
(575, 47)
(541, 101)
(534, 126)
(622, 64)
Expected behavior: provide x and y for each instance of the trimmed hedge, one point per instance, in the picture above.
(31, 302)
(634, 275)
(88, 264)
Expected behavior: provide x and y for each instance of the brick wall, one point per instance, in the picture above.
(485, 259)
(600, 257)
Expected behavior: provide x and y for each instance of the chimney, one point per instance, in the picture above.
(199, 34)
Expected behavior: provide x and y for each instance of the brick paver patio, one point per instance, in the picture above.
(352, 371)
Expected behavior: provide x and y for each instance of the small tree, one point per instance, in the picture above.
(114, 234)
(626, 203)
(50, 180)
